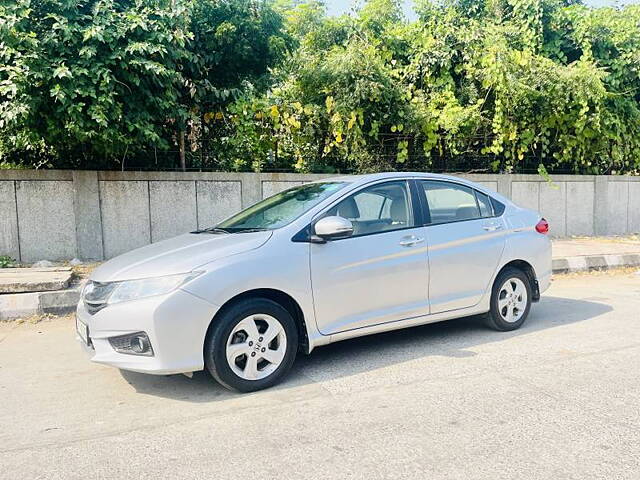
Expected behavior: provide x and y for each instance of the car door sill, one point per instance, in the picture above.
(404, 323)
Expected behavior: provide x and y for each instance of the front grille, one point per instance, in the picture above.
(93, 308)
(95, 295)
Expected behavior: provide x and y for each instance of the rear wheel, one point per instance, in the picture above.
(252, 345)
(510, 300)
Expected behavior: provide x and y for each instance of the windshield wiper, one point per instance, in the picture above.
(251, 230)
(231, 230)
(212, 230)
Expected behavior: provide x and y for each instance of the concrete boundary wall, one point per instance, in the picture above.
(61, 214)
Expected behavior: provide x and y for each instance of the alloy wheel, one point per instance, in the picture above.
(512, 300)
(256, 347)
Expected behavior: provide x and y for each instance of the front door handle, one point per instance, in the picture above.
(492, 227)
(411, 241)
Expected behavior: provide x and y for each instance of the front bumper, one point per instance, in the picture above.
(176, 324)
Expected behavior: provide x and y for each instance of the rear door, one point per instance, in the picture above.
(466, 241)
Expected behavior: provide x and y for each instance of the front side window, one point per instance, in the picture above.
(282, 208)
(450, 202)
(380, 208)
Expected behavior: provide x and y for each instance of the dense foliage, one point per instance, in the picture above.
(95, 83)
(484, 85)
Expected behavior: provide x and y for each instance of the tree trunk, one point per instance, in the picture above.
(183, 160)
(202, 140)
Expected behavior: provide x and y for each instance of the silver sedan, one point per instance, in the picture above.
(312, 265)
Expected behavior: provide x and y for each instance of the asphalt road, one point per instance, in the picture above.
(558, 399)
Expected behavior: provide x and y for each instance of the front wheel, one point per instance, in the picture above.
(510, 300)
(252, 345)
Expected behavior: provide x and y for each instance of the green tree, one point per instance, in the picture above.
(488, 85)
(499, 85)
(235, 43)
(94, 83)
(87, 82)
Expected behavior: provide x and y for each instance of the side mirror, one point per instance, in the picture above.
(331, 228)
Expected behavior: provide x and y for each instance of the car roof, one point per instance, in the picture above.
(362, 179)
(369, 177)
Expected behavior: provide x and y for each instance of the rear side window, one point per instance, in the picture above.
(484, 204)
(450, 202)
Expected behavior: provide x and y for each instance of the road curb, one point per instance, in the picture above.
(585, 263)
(20, 305)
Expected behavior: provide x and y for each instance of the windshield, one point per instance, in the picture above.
(281, 209)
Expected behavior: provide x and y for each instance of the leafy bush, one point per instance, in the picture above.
(489, 85)
(517, 85)
(6, 261)
(89, 84)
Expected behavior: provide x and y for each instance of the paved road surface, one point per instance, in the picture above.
(559, 399)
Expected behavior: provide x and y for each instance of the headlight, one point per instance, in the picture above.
(98, 295)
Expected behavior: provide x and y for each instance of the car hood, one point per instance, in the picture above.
(180, 254)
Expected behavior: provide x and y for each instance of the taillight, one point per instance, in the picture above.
(542, 226)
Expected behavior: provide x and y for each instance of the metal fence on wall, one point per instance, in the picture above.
(169, 161)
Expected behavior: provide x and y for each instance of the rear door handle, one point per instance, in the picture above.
(411, 241)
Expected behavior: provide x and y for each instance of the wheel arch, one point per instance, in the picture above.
(528, 270)
(281, 298)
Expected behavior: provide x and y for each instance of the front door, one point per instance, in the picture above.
(466, 242)
(380, 273)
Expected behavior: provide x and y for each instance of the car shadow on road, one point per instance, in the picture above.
(452, 338)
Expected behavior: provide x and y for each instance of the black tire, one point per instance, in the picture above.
(215, 357)
(495, 318)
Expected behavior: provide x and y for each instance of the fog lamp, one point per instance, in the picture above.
(132, 344)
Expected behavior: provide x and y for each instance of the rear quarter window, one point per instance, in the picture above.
(498, 207)
(485, 204)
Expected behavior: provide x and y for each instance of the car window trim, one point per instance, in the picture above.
(424, 214)
(425, 202)
(375, 233)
